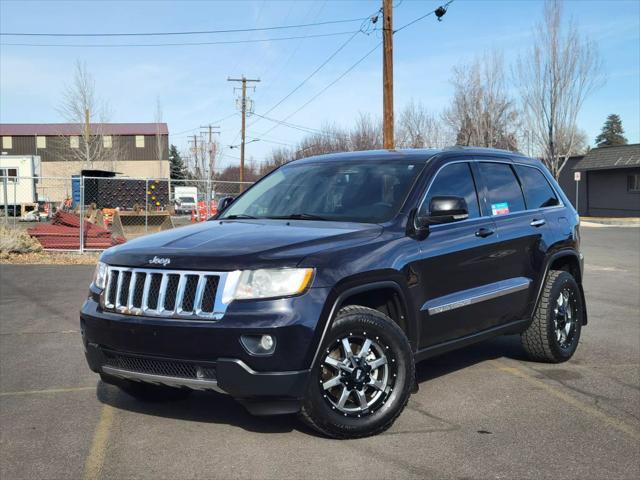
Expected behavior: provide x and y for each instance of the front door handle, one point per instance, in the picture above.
(484, 232)
(537, 222)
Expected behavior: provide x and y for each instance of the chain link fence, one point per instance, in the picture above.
(114, 209)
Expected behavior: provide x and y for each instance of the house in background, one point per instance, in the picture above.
(609, 183)
(131, 149)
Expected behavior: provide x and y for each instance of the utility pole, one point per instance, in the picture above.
(194, 150)
(210, 147)
(387, 74)
(210, 172)
(244, 121)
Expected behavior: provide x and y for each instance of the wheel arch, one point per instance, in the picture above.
(570, 261)
(386, 296)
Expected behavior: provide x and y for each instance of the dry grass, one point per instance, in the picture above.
(13, 240)
(49, 258)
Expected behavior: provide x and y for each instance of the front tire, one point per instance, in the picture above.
(362, 378)
(554, 333)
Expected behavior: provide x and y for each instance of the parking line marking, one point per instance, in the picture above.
(95, 460)
(589, 410)
(49, 390)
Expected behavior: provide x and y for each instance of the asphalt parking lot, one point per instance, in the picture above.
(481, 412)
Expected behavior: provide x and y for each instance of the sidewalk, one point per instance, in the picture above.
(609, 222)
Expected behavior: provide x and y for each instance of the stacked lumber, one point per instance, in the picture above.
(63, 233)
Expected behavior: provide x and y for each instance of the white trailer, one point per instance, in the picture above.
(18, 180)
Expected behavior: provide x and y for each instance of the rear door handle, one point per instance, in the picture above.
(537, 222)
(484, 232)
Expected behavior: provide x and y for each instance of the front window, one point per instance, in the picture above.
(454, 179)
(633, 183)
(347, 192)
(10, 173)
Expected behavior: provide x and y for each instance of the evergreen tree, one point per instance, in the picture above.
(178, 169)
(612, 132)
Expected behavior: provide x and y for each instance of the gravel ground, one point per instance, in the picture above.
(481, 412)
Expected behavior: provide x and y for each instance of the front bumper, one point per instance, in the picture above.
(208, 355)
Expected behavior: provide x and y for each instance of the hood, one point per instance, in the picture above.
(239, 244)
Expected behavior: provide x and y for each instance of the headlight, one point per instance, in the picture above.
(100, 275)
(270, 283)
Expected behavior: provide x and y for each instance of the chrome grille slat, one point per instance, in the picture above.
(132, 288)
(145, 293)
(180, 294)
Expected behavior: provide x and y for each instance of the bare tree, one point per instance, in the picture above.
(81, 107)
(555, 77)
(418, 128)
(366, 134)
(481, 112)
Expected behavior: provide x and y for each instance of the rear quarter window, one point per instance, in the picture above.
(537, 191)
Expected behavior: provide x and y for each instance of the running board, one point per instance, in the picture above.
(434, 350)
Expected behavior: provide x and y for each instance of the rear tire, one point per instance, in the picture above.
(146, 392)
(554, 332)
(360, 391)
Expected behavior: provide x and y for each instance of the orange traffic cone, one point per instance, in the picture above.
(193, 215)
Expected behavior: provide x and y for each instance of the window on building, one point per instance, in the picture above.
(41, 142)
(503, 190)
(140, 141)
(633, 183)
(10, 173)
(107, 141)
(74, 141)
(537, 191)
(7, 142)
(456, 180)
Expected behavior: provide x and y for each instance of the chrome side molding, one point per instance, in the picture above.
(464, 298)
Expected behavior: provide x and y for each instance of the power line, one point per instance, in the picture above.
(295, 126)
(321, 66)
(197, 32)
(176, 44)
(346, 72)
(196, 128)
(301, 84)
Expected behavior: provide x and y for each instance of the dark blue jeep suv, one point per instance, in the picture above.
(317, 289)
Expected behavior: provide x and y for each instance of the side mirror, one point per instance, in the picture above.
(224, 203)
(443, 210)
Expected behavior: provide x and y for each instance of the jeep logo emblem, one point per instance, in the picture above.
(160, 261)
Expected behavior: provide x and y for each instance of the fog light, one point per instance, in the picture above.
(259, 344)
(266, 342)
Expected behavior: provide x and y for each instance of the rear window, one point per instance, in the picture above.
(503, 190)
(537, 191)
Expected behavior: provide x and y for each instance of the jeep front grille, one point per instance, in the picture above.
(182, 294)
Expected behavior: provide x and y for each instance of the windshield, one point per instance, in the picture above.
(357, 192)
(186, 200)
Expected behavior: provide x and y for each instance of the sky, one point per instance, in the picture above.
(191, 80)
